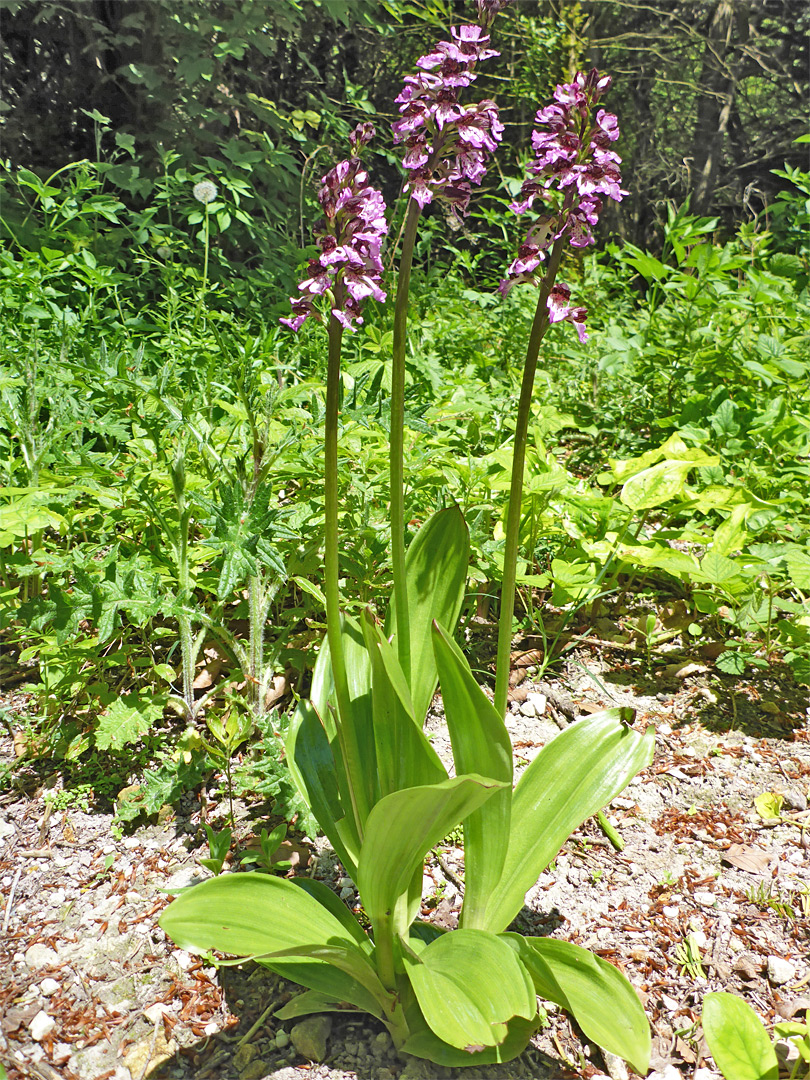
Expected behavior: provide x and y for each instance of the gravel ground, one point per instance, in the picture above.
(91, 989)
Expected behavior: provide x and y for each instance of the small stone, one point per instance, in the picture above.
(670, 911)
(40, 956)
(381, 1044)
(788, 1053)
(705, 1074)
(528, 710)
(699, 939)
(617, 1070)
(310, 1035)
(41, 1025)
(244, 1055)
(669, 1003)
(705, 899)
(48, 987)
(795, 800)
(282, 1039)
(539, 701)
(154, 1013)
(780, 971)
(183, 959)
(669, 1072)
(257, 1070)
(346, 883)
(346, 893)
(61, 1053)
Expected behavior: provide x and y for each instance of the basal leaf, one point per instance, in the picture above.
(597, 995)
(481, 745)
(460, 1000)
(570, 780)
(436, 575)
(737, 1039)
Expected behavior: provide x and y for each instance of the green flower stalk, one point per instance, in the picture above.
(572, 155)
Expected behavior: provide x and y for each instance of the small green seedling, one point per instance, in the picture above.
(219, 844)
(269, 844)
(689, 958)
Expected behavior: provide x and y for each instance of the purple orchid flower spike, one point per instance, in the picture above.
(574, 155)
(349, 268)
(447, 144)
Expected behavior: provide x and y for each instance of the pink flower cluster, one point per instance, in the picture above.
(350, 235)
(574, 155)
(446, 143)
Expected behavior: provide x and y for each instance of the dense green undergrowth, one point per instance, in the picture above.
(162, 503)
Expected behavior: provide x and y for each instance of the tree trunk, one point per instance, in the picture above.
(717, 85)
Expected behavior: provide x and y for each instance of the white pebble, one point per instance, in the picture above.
(346, 894)
(41, 1025)
(670, 912)
(780, 970)
(705, 899)
(48, 987)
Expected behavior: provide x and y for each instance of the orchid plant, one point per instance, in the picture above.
(357, 749)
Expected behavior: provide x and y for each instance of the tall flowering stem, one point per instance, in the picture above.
(347, 271)
(446, 146)
(574, 164)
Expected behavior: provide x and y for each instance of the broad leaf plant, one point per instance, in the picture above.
(357, 748)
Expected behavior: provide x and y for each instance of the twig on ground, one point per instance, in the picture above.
(10, 901)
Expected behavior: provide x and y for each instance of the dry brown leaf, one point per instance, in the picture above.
(745, 857)
(275, 692)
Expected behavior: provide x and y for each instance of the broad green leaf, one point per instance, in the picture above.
(127, 719)
(657, 485)
(315, 773)
(309, 1003)
(737, 1039)
(597, 995)
(250, 915)
(570, 780)
(403, 827)
(660, 557)
(462, 1003)
(436, 575)
(481, 744)
(358, 674)
(270, 918)
(326, 979)
(731, 535)
(405, 758)
(332, 902)
(717, 569)
(423, 1043)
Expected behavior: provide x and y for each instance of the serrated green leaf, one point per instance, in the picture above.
(127, 720)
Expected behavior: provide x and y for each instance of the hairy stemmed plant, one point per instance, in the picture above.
(574, 165)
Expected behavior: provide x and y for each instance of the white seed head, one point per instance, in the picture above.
(205, 191)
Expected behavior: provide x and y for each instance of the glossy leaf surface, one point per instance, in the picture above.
(468, 984)
(597, 995)
(737, 1039)
(570, 780)
(403, 827)
(436, 573)
(481, 744)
